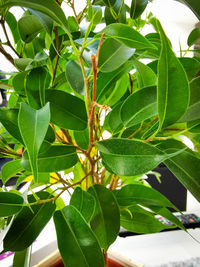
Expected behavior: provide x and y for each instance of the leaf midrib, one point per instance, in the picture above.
(75, 238)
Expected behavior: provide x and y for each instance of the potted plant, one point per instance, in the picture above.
(85, 126)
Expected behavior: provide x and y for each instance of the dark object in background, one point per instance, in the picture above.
(3, 102)
(169, 187)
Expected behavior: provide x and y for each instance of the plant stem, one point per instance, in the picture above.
(74, 10)
(105, 255)
(7, 55)
(95, 60)
(7, 38)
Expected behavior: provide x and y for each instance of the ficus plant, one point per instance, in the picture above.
(87, 118)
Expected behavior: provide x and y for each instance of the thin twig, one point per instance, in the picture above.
(7, 38)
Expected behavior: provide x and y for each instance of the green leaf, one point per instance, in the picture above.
(173, 88)
(118, 91)
(134, 111)
(192, 112)
(130, 157)
(73, 25)
(138, 221)
(22, 63)
(137, 8)
(106, 219)
(37, 81)
(120, 11)
(185, 166)
(45, 20)
(114, 119)
(107, 80)
(9, 119)
(164, 212)
(109, 2)
(191, 66)
(33, 126)
(84, 202)
(19, 81)
(56, 158)
(12, 23)
(67, 111)
(29, 26)
(74, 234)
(127, 36)
(74, 76)
(145, 75)
(48, 7)
(193, 37)
(82, 138)
(113, 54)
(28, 223)
(95, 14)
(10, 204)
(141, 194)
(193, 5)
(22, 258)
(10, 169)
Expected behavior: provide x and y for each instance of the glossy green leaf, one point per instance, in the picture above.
(145, 75)
(75, 77)
(12, 23)
(37, 81)
(114, 119)
(194, 126)
(82, 138)
(19, 81)
(127, 35)
(48, 7)
(118, 91)
(22, 63)
(134, 111)
(95, 14)
(67, 111)
(22, 258)
(84, 202)
(56, 158)
(45, 20)
(191, 66)
(107, 80)
(140, 194)
(193, 5)
(192, 112)
(130, 157)
(121, 12)
(167, 214)
(137, 8)
(185, 166)
(9, 120)
(113, 54)
(10, 204)
(72, 23)
(74, 234)
(33, 126)
(106, 212)
(50, 135)
(193, 37)
(137, 221)
(10, 169)
(173, 87)
(28, 223)
(29, 26)
(109, 2)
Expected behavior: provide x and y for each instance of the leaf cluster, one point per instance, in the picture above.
(88, 118)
